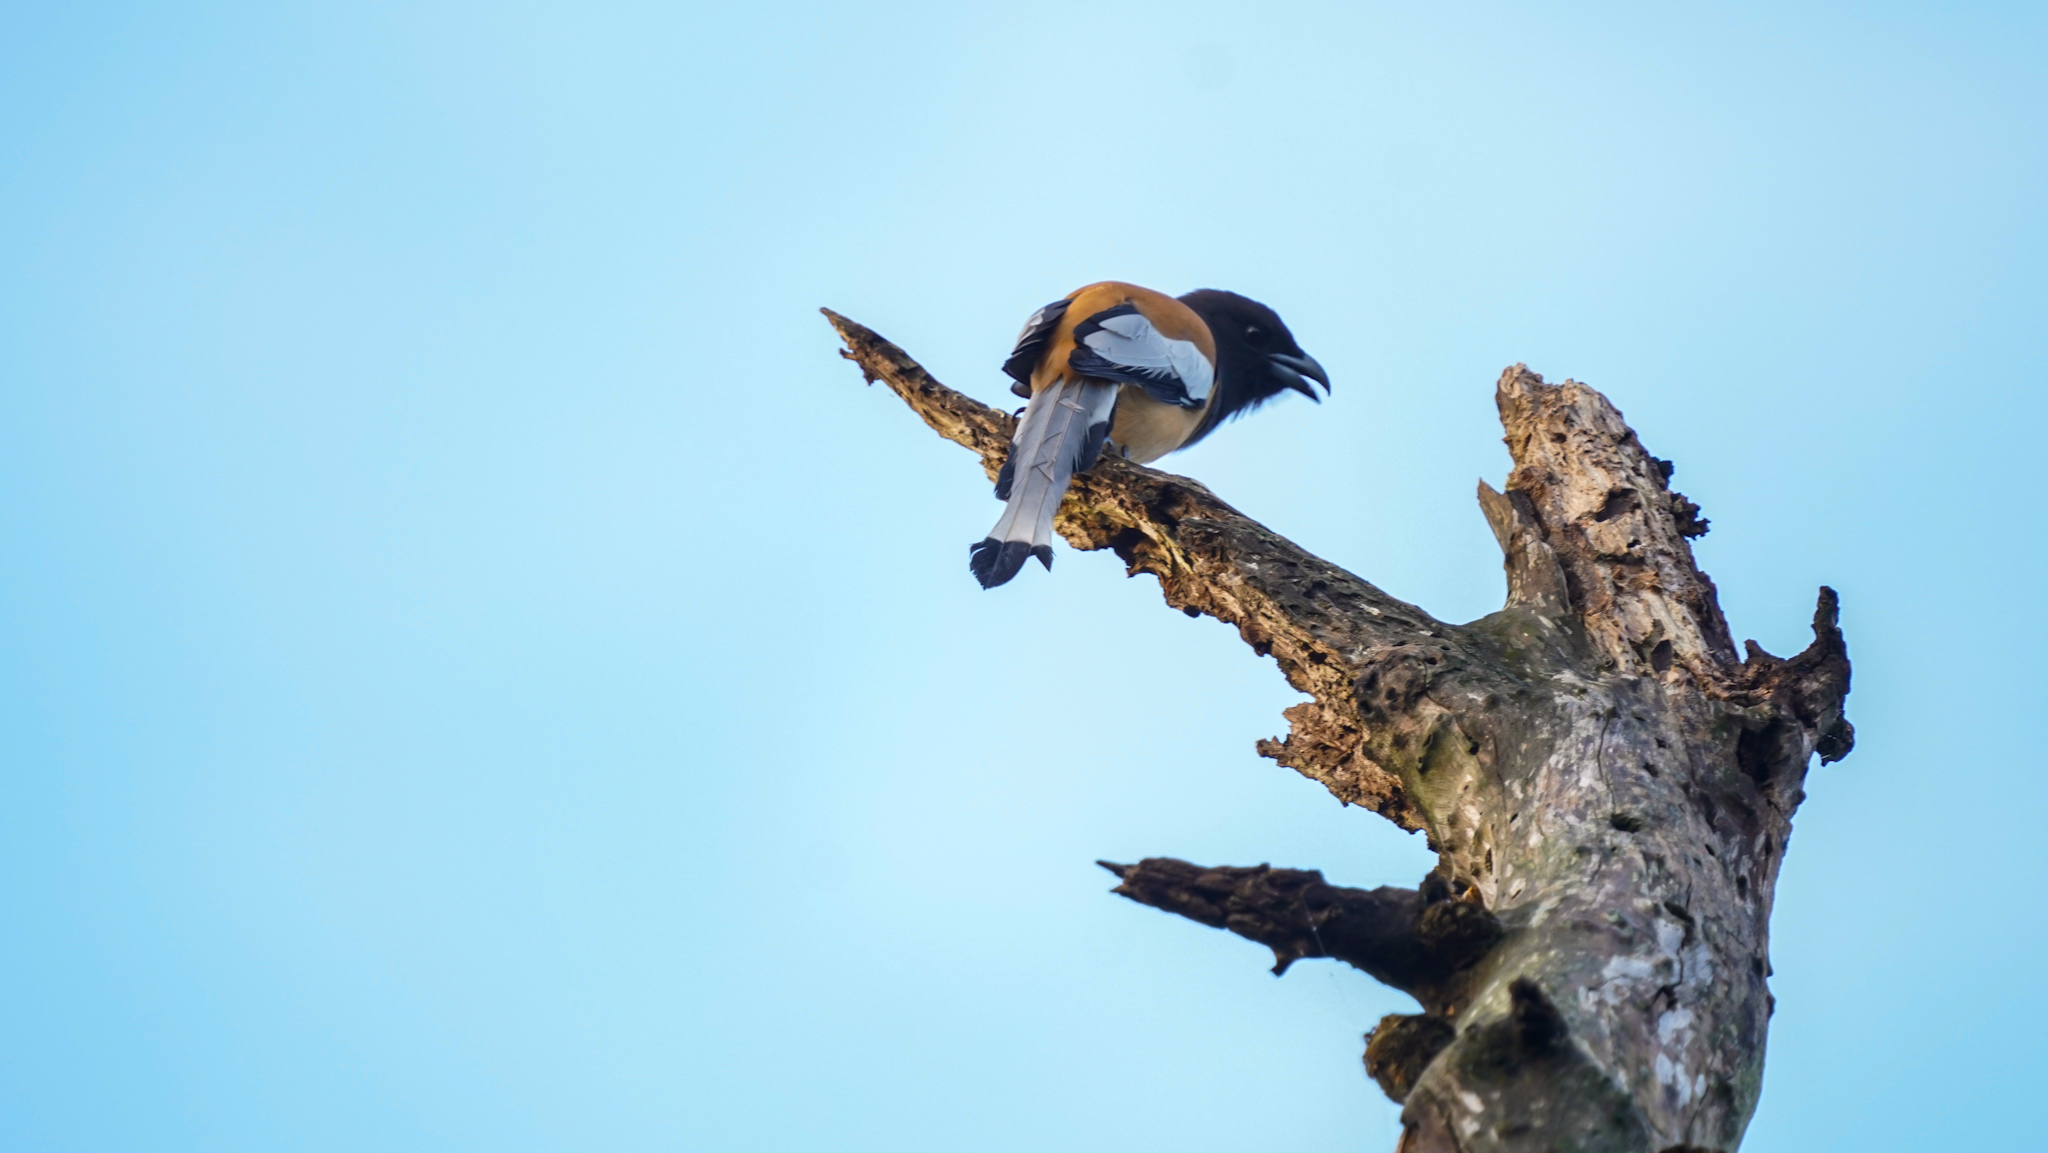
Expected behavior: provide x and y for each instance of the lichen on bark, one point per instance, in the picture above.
(1607, 783)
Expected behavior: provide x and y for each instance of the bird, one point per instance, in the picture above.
(1138, 372)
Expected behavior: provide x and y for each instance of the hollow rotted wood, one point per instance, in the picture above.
(1608, 783)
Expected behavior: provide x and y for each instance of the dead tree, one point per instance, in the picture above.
(1608, 785)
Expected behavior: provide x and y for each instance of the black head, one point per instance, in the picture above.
(1256, 357)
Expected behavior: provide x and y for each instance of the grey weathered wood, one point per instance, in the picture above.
(1608, 785)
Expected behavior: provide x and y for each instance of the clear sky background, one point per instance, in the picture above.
(480, 673)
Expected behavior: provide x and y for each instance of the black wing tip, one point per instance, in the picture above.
(1004, 479)
(1031, 345)
(1019, 369)
(994, 562)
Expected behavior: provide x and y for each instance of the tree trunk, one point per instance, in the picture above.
(1608, 785)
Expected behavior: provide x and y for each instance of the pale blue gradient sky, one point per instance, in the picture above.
(479, 673)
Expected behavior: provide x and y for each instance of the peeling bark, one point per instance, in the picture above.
(1608, 784)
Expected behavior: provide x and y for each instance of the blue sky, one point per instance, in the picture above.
(480, 673)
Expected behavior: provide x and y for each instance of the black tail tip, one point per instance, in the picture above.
(994, 562)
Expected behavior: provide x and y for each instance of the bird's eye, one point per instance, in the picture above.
(1255, 335)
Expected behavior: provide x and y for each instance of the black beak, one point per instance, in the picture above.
(1297, 371)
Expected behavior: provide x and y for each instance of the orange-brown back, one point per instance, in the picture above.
(1170, 317)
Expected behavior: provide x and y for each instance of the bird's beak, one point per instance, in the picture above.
(1297, 371)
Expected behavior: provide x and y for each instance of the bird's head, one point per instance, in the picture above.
(1256, 355)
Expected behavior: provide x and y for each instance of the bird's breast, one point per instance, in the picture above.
(1146, 429)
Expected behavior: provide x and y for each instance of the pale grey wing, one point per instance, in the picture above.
(1120, 344)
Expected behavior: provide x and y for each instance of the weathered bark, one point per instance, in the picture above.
(1609, 787)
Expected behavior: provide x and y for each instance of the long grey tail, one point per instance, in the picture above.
(1063, 430)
